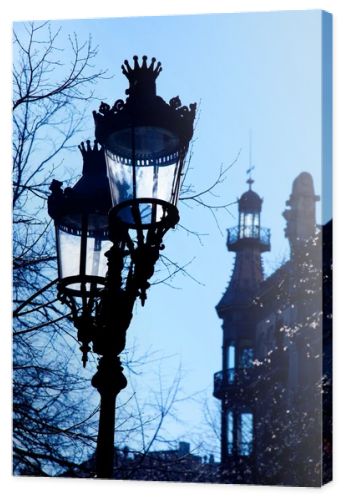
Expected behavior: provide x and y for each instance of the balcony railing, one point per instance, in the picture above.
(244, 383)
(232, 376)
(235, 234)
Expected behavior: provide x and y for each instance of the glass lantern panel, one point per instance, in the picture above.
(96, 262)
(120, 175)
(165, 182)
(152, 180)
(145, 181)
(81, 250)
(160, 185)
(155, 179)
(69, 252)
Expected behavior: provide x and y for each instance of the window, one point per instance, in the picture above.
(231, 356)
(230, 431)
(247, 357)
(246, 444)
(249, 225)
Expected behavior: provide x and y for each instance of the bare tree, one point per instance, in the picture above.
(51, 425)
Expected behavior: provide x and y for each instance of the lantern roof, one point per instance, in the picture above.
(250, 201)
(143, 109)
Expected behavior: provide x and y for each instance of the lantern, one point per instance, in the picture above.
(145, 142)
(82, 238)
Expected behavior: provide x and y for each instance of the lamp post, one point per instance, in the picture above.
(110, 226)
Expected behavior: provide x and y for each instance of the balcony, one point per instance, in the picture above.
(242, 385)
(232, 381)
(238, 237)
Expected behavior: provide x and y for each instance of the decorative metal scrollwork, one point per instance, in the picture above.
(104, 108)
(118, 106)
(175, 102)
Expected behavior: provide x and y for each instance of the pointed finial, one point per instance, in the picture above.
(251, 167)
(126, 68)
(250, 180)
(151, 67)
(136, 63)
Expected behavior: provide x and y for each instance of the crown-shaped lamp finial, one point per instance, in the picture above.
(141, 78)
(93, 158)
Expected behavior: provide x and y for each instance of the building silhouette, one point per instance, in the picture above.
(171, 464)
(274, 378)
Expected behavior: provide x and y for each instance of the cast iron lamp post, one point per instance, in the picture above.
(110, 226)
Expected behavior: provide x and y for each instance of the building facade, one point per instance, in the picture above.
(272, 376)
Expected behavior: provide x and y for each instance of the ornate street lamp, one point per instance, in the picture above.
(80, 214)
(144, 141)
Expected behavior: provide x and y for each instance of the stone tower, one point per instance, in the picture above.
(248, 240)
(301, 214)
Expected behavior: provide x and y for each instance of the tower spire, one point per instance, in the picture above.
(250, 148)
(251, 167)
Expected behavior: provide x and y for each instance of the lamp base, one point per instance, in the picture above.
(145, 213)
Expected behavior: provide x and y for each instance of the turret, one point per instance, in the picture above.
(248, 240)
(301, 214)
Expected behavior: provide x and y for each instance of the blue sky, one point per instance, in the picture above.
(259, 72)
